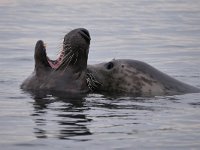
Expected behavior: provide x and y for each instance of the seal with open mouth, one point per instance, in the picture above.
(136, 78)
(68, 72)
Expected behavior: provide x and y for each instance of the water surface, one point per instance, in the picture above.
(164, 34)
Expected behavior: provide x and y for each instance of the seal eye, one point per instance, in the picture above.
(109, 65)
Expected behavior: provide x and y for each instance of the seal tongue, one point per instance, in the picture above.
(53, 63)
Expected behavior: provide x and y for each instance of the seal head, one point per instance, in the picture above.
(136, 78)
(75, 51)
(68, 72)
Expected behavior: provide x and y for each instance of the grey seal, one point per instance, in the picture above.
(66, 74)
(133, 77)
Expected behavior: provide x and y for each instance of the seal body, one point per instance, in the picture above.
(136, 78)
(68, 72)
(56, 82)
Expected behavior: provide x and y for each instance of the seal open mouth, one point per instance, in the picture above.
(56, 63)
(75, 50)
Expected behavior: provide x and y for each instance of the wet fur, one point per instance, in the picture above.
(71, 75)
(136, 78)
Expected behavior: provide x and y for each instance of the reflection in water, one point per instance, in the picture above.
(162, 33)
(60, 117)
(66, 117)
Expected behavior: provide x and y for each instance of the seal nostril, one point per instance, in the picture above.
(85, 34)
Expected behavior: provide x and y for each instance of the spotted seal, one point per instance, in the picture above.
(68, 72)
(123, 76)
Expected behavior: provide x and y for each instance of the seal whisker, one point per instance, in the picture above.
(76, 57)
(92, 83)
(70, 58)
(65, 62)
(67, 73)
(59, 52)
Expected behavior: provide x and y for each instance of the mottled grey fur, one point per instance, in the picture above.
(136, 78)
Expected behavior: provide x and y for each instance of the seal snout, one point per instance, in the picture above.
(85, 34)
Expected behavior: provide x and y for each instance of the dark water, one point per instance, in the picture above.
(165, 34)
